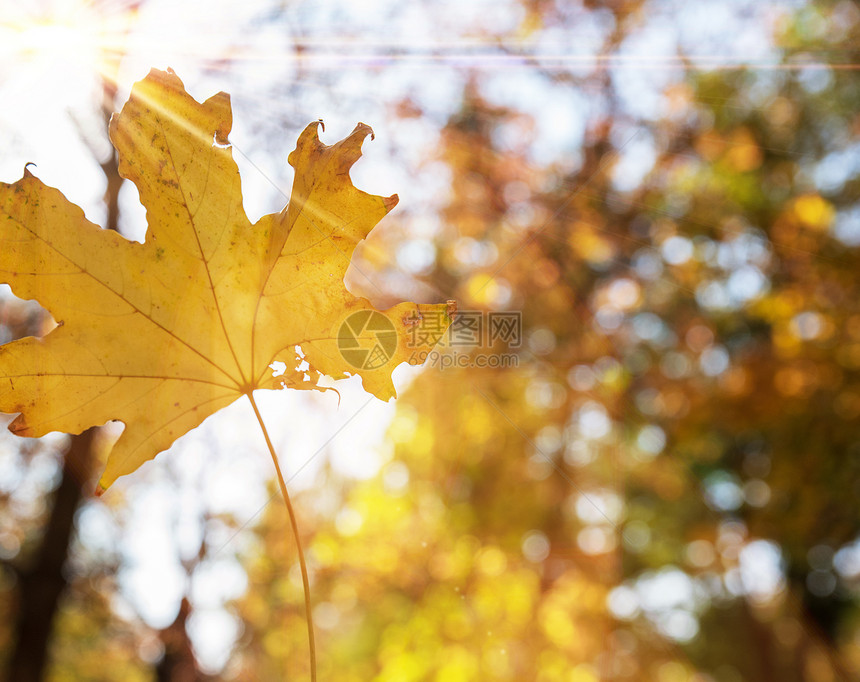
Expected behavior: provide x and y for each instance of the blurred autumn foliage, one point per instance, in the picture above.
(665, 487)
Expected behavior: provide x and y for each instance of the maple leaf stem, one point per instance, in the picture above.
(294, 524)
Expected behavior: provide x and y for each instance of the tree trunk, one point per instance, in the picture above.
(41, 584)
(178, 663)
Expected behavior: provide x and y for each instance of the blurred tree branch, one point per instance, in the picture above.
(42, 584)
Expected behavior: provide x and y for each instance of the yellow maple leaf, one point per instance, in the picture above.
(162, 334)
